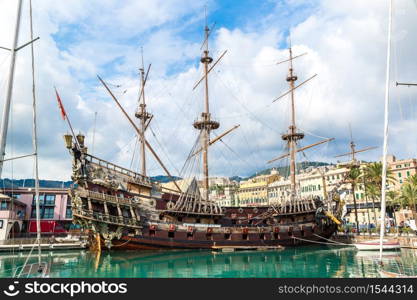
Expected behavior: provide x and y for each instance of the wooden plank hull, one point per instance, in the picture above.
(142, 242)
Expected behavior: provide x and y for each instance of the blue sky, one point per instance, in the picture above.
(346, 45)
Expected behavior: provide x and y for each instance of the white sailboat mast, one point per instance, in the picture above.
(6, 108)
(385, 145)
(35, 140)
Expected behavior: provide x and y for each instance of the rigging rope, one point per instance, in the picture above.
(163, 150)
(312, 134)
(317, 242)
(250, 112)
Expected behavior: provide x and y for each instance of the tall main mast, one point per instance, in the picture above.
(205, 124)
(292, 136)
(143, 116)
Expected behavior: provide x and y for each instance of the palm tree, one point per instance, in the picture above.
(373, 177)
(353, 178)
(373, 192)
(393, 199)
(409, 195)
(412, 180)
(373, 174)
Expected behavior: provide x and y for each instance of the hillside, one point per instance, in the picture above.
(285, 171)
(8, 183)
(30, 182)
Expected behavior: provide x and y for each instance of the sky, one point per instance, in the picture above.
(345, 41)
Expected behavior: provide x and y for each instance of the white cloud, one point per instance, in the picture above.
(345, 42)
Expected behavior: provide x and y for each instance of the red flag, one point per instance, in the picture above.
(61, 107)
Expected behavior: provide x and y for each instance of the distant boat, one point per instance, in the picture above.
(374, 245)
(387, 274)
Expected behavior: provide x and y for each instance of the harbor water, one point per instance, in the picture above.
(308, 261)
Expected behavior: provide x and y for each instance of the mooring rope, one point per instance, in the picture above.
(335, 242)
(316, 242)
(128, 241)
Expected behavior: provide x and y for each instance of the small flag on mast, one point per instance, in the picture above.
(61, 107)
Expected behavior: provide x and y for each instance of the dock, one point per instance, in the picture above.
(29, 245)
(54, 246)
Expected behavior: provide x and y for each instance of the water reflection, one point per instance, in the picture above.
(309, 261)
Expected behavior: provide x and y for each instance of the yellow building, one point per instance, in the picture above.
(254, 191)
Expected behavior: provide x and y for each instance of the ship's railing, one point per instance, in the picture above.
(139, 178)
(106, 197)
(118, 220)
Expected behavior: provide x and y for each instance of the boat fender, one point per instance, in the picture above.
(255, 210)
(240, 210)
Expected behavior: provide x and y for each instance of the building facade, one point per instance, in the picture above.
(55, 209)
(12, 215)
(254, 191)
(401, 170)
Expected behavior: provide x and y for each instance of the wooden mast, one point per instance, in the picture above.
(206, 60)
(205, 124)
(139, 132)
(292, 136)
(143, 116)
(354, 164)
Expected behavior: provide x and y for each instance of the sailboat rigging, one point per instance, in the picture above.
(39, 269)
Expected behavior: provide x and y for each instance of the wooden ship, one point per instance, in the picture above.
(124, 209)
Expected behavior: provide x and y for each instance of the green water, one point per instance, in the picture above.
(308, 261)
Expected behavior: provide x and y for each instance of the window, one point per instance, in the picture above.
(3, 206)
(41, 199)
(1, 224)
(48, 213)
(399, 175)
(50, 200)
(319, 187)
(408, 173)
(45, 213)
(68, 213)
